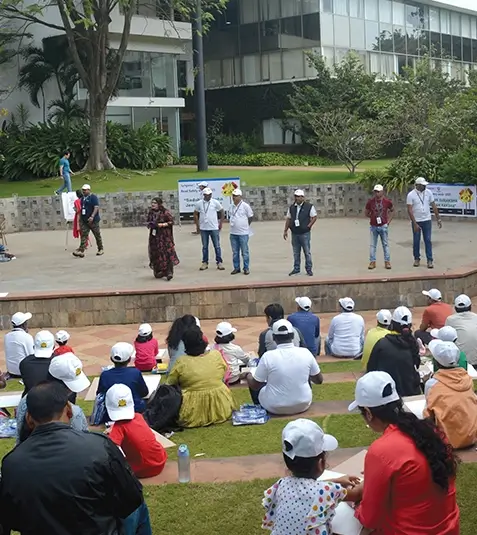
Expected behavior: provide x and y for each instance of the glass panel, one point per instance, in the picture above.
(357, 34)
(248, 11)
(372, 36)
(398, 14)
(327, 34)
(386, 37)
(356, 8)
(465, 20)
(327, 6)
(374, 63)
(329, 56)
(238, 71)
(455, 23)
(457, 48)
(270, 35)
(466, 49)
(293, 64)
(412, 42)
(371, 9)
(341, 7)
(311, 28)
(434, 21)
(251, 69)
(310, 70)
(269, 9)
(401, 63)
(474, 50)
(445, 21)
(265, 68)
(386, 11)
(162, 74)
(228, 72)
(473, 27)
(249, 42)
(291, 8)
(213, 74)
(291, 26)
(276, 66)
(135, 79)
(387, 66)
(311, 6)
(342, 31)
(413, 18)
(436, 47)
(424, 44)
(446, 46)
(399, 40)
(340, 54)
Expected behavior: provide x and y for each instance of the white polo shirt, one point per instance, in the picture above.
(208, 218)
(346, 334)
(239, 216)
(18, 345)
(421, 204)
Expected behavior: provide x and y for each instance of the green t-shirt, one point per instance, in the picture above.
(462, 362)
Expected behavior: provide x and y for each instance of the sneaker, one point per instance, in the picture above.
(309, 273)
(203, 266)
(430, 264)
(235, 272)
(246, 272)
(387, 265)
(220, 266)
(100, 252)
(417, 263)
(78, 253)
(294, 272)
(372, 265)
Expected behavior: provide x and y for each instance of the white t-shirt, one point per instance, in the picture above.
(465, 323)
(421, 204)
(239, 216)
(287, 371)
(346, 334)
(18, 345)
(208, 218)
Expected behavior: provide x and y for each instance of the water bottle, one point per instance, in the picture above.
(183, 462)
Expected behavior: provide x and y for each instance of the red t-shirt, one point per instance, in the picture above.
(399, 495)
(144, 454)
(61, 350)
(379, 208)
(146, 354)
(435, 315)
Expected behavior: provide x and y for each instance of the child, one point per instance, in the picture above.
(61, 338)
(132, 434)
(146, 347)
(121, 355)
(301, 504)
(233, 354)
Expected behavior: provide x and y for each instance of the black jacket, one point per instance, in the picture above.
(65, 482)
(399, 357)
(303, 218)
(34, 370)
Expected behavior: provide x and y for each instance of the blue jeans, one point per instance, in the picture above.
(215, 237)
(379, 232)
(239, 244)
(299, 242)
(426, 228)
(66, 183)
(138, 523)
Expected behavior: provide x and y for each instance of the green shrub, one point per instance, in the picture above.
(260, 159)
(461, 167)
(371, 177)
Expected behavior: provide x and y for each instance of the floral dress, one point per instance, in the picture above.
(162, 252)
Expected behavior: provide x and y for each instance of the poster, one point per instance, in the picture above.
(189, 193)
(68, 205)
(455, 199)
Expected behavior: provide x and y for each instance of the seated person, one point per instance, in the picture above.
(464, 321)
(273, 313)
(34, 368)
(206, 400)
(233, 354)
(281, 381)
(450, 398)
(174, 340)
(346, 333)
(434, 316)
(383, 319)
(62, 338)
(398, 354)
(308, 324)
(121, 355)
(448, 334)
(18, 343)
(131, 433)
(147, 349)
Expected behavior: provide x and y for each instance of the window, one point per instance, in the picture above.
(372, 36)
(342, 31)
(357, 34)
(251, 69)
(291, 8)
(181, 74)
(328, 6)
(434, 20)
(399, 17)
(213, 74)
(311, 27)
(436, 45)
(327, 34)
(386, 11)
(228, 77)
(387, 66)
(291, 26)
(275, 132)
(473, 27)
(467, 49)
(293, 64)
(265, 68)
(455, 23)
(269, 9)
(356, 9)
(374, 63)
(399, 40)
(311, 6)
(465, 20)
(386, 37)
(457, 48)
(276, 66)
(371, 9)
(329, 56)
(413, 16)
(238, 71)
(249, 42)
(445, 21)
(340, 7)
(401, 64)
(248, 11)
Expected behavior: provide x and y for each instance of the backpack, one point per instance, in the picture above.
(99, 415)
(162, 412)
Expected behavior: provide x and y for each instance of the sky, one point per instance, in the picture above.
(468, 4)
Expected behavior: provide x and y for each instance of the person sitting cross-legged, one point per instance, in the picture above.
(273, 313)
(464, 321)
(383, 320)
(434, 316)
(308, 324)
(449, 334)
(346, 333)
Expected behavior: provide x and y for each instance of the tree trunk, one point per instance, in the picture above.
(98, 159)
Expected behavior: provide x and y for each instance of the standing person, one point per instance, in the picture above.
(76, 220)
(241, 216)
(380, 211)
(419, 203)
(89, 221)
(35, 368)
(464, 322)
(201, 185)
(308, 324)
(65, 173)
(301, 217)
(208, 218)
(162, 252)
(18, 343)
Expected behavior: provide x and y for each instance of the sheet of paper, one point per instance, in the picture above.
(354, 466)
(152, 382)
(10, 399)
(344, 522)
(165, 442)
(327, 475)
(416, 407)
(471, 371)
(3, 294)
(162, 353)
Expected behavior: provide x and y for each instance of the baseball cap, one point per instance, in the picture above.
(207, 191)
(19, 318)
(69, 369)
(421, 181)
(62, 336)
(347, 303)
(282, 327)
(203, 184)
(303, 302)
(462, 301)
(145, 329)
(378, 187)
(384, 317)
(237, 192)
(224, 328)
(44, 344)
(307, 439)
(299, 193)
(119, 403)
(445, 353)
(122, 352)
(370, 388)
(434, 294)
(446, 333)
(402, 315)
(86, 186)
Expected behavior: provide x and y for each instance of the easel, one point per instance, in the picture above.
(68, 230)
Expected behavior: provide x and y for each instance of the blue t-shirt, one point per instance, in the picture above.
(309, 326)
(66, 166)
(87, 206)
(128, 376)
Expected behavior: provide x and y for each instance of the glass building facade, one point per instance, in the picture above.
(263, 41)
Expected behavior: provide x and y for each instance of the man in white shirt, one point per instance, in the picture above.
(346, 333)
(18, 343)
(201, 185)
(241, 216)
(281, 381)
(419, 203)
(464, 322)
(208, 218)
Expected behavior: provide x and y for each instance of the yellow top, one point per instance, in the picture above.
(373, 336)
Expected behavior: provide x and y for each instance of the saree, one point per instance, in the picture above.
(162, 253)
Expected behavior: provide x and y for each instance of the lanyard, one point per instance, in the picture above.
(421, 198)
(234, 212)
(298, 209)
(203, 206)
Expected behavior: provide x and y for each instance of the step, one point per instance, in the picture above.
(318, 409)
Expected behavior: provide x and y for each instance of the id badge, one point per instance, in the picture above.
(297, 222)
(378, 220)
(154, 232)
(83, 211)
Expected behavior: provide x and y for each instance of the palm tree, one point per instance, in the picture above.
(66, 111)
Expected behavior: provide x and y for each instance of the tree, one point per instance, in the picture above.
(66, 112)
(86, 26)
(9, 37)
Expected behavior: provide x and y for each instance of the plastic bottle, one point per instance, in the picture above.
(183, 462)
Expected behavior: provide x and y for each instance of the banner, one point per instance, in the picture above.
(189, 193)
(455, 199)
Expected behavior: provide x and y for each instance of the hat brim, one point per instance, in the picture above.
(352, 407)
(434, 333)
(120, 413)
(79, 384)
(329, 443)
(44, 353)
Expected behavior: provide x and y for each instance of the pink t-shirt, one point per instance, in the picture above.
(146, 354)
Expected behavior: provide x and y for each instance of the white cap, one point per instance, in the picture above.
(145, 329)
(122, 352)
(378, 187)
(299, 193)
(307, 439)
(303, 302)
(446, 333)
(282, 327)
(384, 317)
(402, 315)
(462, 301)
(434, 294)
(44, 344)
(224, 328)
(237, 191)
(62, 336)
(120, 403)
(446, 353)
(370, 388)
(203, 184)
(197, 321)
(86, 186)
(69, 369)
(207, 191)
(420, 181)
(19, 318)
(347, 303)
